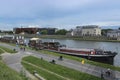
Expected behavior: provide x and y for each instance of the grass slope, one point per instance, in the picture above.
(58, 69)
(41, 72)
(4, 49)
(1, 51)
(8, 74)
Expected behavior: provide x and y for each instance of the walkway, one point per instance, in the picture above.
(14, 62)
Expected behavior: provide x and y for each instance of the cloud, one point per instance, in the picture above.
(107, 23)
(59, 13)
(30, 8)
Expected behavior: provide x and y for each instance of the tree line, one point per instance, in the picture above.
(58, 32)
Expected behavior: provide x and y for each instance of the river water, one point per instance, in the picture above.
(112, 46)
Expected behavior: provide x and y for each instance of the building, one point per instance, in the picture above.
(34, 30)
(25, 30)
(114, 34)
(91, 30)
(77, 31)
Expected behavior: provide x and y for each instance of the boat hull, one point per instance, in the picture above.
(109, 59)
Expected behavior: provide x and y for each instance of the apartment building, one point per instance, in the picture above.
(89, 30)
(77, 31)
(113, 34)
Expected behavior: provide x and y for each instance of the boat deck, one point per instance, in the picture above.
(76, 49)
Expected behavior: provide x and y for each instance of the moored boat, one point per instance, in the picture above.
(92, 54)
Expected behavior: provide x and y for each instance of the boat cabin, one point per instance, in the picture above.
(49, 45)
(34, 42)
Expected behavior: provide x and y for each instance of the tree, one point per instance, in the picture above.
(44, 32)
(104, 31)
(61, 32)
(8, 32)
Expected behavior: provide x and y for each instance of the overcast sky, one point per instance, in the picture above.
(59, 13)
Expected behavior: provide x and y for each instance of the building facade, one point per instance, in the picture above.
(91, 30)
(25, 30)
(50, 31)
(113, 34)
(77, 31)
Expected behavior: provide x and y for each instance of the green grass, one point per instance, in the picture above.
(8, 74)
(1, 51)
(58, 69)
(80, 59)
(41, 72)
(4, 49)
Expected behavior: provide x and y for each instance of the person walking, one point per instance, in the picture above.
(108, 72)
(24, 48)
(102, 75)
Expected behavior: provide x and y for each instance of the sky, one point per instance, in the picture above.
(59, 13)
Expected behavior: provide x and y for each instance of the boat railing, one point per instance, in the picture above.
(110, 52)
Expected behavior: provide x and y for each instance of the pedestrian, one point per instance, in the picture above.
(108, 72)
(102, 75)
(41, 58)
(53, 61)
(83, 62)
(14, 49)
(24, 48)
(21, 48)
(61, 58)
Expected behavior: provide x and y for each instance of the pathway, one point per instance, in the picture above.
(14, 62)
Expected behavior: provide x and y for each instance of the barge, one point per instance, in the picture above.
(91, 54)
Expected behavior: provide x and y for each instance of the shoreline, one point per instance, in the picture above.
(88, 38)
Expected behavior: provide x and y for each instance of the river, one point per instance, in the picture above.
(112, 46)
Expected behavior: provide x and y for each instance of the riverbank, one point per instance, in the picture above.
(50, 55)
(80, 38)
(112, 67)
(87, 38)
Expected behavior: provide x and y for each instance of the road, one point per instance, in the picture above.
(13, 61)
